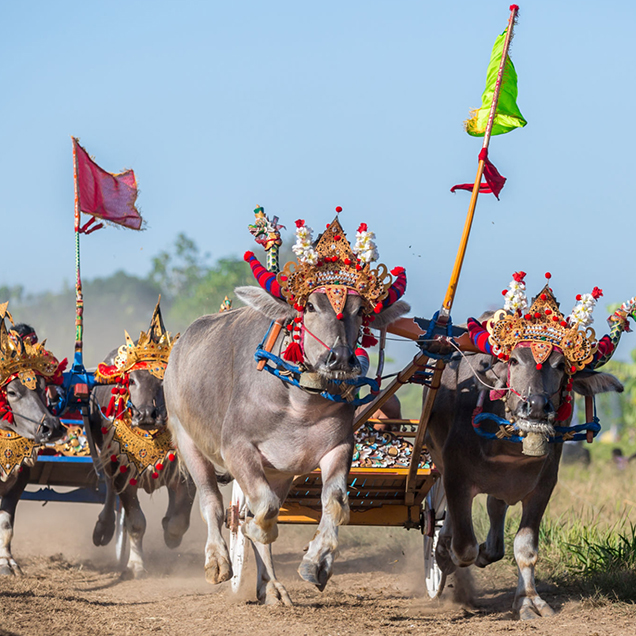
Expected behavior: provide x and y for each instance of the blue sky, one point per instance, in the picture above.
(301, 107)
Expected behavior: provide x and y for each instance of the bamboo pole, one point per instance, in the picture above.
(79, 297)
(459, 260)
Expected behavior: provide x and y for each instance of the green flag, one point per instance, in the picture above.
(507, 116)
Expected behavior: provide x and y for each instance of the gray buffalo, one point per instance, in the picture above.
(226, 415)
(136, 370)
(470, 464)
(24, 412)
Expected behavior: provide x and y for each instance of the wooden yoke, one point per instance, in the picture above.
(272, 336)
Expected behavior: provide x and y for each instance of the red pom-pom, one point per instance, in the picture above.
(159, 466)
(300, 222)
(104, 430)
(563, 323)
(597, 293)
(543, 297)
(362, 227)
(528, 316)
(337, 237)
(548, 275)
(347, 261)
(396, 271)
(171, 457)
(537, 314)
(378, 308)
(358, 267)
(504, 292)
(368, 341)
(539, 366)
(133, 481)
(248, 255)
(155, 475)
(293, 353)
(578, 296)
(340, 316)
(519, 276)
(514, 7)
(123, 469)
(555, 318)
(548, 312)
(338, 209)
(573, 369)
(113, 458)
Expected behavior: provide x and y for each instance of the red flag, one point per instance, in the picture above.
(494, 181)
(108, 196)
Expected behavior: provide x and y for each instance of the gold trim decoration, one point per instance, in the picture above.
(151, 352)
(332, 264)
(15, 452)
(143, 456)
(542, 327)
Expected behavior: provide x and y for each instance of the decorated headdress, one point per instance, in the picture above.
(151, 352)
(20, 358)
(542, 326)
(333, 266)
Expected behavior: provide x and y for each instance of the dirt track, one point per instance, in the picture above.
(377, 588)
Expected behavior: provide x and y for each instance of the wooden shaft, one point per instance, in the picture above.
(418, 442)
(79, 296)
(589, 415)
(459, 260)
(419, 362)
(269, 342)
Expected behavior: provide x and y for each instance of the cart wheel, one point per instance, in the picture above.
(238, 555)
(434, 514)
(121, 537)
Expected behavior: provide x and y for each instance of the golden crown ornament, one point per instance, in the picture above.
(331, 265)
(543, 327)
(151, 352)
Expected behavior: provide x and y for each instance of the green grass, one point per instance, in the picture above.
(587, 541)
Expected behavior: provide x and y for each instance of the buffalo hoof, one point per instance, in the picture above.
(10, 568)
(218, 570)
(443, 558)
(538, 608)
(173, 532)
(315, 573)
(276, 594)
(103, 532)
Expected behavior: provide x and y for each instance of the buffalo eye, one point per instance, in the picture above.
(310, 308)
(11, 393)
(513, 362)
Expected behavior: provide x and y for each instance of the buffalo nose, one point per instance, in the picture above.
(539, 406)
(341, 358)
(46, 430)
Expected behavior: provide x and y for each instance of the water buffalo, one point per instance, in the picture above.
(148, 412)
(225, 414)
(535, 397)
(24, 412)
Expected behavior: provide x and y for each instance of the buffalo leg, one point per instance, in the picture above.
(527, 600)
(317, 565)
(459, 499)
(493, 548)
(8, 504)
(218, 567)
(105, 525)
(269, 590)
(136, 528)
(177, 520)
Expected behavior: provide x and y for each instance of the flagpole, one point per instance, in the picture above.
(79, 297)
(459, 260)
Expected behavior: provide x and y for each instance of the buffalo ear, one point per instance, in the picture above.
(592, 382)
(261, 300)
(390, 314)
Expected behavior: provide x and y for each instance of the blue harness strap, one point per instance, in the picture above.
(579, 430)
(290, 373)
